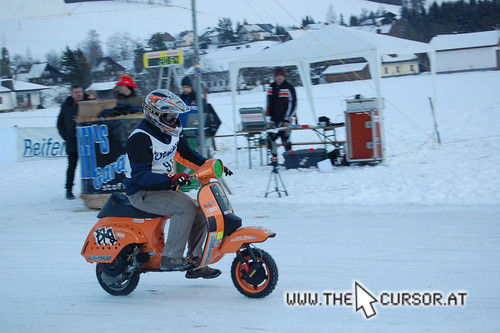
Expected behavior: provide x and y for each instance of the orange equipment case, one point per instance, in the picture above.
(363, 131)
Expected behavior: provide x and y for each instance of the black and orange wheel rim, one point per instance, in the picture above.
(247, 285)
(254, 279)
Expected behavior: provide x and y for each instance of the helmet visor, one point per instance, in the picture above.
(169, 118)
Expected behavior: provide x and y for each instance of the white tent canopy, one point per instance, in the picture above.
(331, 42)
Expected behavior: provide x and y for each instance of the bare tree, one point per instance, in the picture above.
(331, 17)
(120, 46)
(53, 58)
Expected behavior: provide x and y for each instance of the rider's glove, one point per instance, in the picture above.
(180, 179)
(227, 172)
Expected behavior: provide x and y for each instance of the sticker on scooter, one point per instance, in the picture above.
(243, 238)
(105, 236)
(213, 209)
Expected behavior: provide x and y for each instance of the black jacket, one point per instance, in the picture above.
(133, 99)
(66, 123)
(281, 102)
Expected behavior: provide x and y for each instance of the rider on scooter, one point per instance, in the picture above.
(150, 184)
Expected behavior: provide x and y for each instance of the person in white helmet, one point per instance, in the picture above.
(150, 183)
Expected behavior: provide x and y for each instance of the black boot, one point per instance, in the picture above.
(69, 195)
(204, 272)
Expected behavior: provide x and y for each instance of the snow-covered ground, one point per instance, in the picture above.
(424, 220)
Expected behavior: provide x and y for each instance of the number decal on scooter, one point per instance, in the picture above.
(105, 236)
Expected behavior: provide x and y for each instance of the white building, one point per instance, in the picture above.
(254, 32)
(397, 65)
(15, 94)
(465, 52)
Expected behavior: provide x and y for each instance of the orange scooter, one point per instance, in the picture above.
(126, 242)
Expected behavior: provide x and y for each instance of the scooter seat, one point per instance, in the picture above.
(118, 205)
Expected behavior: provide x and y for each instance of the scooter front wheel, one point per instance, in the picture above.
(255, 279)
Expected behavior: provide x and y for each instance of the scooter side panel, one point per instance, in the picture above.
(110, 235)
(251, 234)
(215, 223)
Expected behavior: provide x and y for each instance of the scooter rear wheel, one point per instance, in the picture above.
(118, 288)
(113, 277)
(254, 279)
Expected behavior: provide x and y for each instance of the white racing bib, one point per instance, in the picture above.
(163, 155)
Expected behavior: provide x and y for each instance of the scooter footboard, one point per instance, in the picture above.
(107, 239)
(250, 234)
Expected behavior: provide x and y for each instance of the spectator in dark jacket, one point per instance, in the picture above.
(281, 103)
(126, 94)
(188, 96)
(66, 125)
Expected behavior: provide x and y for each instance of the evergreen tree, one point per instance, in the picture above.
(225, 29)
(69, 66)
(5, 64)
(342, 22)
(84, 74)
(353, 21)
(138, 58)
(75, 67)
(238, 27)
(92, 47)
(307, 20)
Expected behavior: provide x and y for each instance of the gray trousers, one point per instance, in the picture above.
(186, 222)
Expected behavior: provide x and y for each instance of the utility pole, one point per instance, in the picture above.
(197, 83)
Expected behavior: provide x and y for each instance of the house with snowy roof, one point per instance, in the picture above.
(346, 72)
(39, 73)
(103, 89)
(255, 32)
(16, 94)
(168, 40)
(397, 65)
(467, 52)
(107, 69)
(184, 38)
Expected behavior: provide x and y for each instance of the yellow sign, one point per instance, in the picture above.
(162, 58)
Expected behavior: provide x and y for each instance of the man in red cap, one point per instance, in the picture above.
(125, 88)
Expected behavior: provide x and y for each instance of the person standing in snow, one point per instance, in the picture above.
(281, 103)
(188, 96)
(150, 183)
(126, 93)
(66, 126)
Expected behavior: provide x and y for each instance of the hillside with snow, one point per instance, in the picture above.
(141, 20)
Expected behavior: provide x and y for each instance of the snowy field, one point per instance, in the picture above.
(424, 220)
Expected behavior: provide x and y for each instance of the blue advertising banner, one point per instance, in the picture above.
(102, 153)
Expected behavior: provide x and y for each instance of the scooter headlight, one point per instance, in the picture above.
(218, 168)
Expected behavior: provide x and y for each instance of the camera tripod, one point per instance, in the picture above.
(275, 174)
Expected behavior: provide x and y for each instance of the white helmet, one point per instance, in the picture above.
(162, 108)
